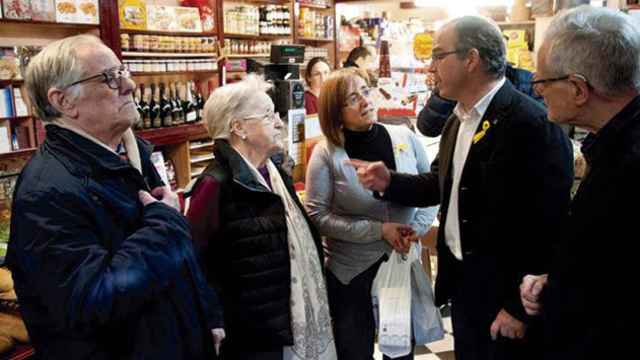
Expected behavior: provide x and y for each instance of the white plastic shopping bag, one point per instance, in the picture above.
(425, 315)
(391, 292)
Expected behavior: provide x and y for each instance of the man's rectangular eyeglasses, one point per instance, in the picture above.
(112, 77)
(565, 77)
(544, 81)
(439, 56)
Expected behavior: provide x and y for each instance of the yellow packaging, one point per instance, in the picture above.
(133, 14)
(423, 46)
(517, 38)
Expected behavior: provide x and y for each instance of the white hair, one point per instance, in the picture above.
(55, 66)
(601, 44)
(232, 102)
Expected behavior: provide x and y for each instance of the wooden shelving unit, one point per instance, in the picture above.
(172, 33)
(256, 37)
(169, 73)
(137, 54)
(176, 142)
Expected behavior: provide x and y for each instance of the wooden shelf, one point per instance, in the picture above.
(197, 171)
(18, 153)
(4, 83)
(171, 33)
(516, 23)
(255, 37)
(196, 146)
(314, 6)
(167, 55)
(265, 2)
(174, 135)
(168, 73)
(200, 158)
(307, 39)
(16, 118)
(241, 56)
(49, 24)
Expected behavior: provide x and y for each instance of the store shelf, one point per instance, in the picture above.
(46, 24)
(18, 153)
(314, 6)
(197, 171)
(242, 56)
(174, 135)
(200, 158)
(16, 118)
(4, 83)
(266, 2)
(307, 39)
(196, 146)
(516, 23)
(255, 37)
(171, 33)
(168, 73)
(167, 55)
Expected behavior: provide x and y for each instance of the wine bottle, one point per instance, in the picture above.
(154, 106)
(145, 106)
(176, 106)
(165, 108)
(188, 105)
(199, 103)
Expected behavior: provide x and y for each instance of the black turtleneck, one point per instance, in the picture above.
(371, 145)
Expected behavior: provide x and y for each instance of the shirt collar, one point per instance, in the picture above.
(82, 133)
(481, 106)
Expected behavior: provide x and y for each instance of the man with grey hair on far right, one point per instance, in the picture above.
(589, 76)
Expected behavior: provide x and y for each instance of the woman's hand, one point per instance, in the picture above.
(399, 236)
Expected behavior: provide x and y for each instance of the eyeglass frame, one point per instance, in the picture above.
(108, 77)
(269, 118)
(358, 96)
(437, 57)
(533, 83)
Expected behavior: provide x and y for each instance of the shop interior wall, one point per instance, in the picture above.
(428, 14)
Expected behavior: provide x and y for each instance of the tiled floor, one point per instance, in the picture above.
(439, 350)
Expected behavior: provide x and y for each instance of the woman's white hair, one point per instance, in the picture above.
(601, 44)
(232, 102)
(56, 65)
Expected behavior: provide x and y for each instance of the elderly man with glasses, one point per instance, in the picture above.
(502, 177)
(589, 76)
(101, 256)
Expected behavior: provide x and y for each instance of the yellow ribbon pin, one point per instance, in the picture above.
(485, 126)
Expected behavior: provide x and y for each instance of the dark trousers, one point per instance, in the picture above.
(472, 336)
(351, 309)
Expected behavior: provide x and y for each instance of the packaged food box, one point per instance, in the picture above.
(88, 12)
(43, 10)
(133, 14)
(16, 9)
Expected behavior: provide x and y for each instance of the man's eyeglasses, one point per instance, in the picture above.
(112, 77)
(354, 98)
(559, 78)
(544, 81)
(439, 56)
